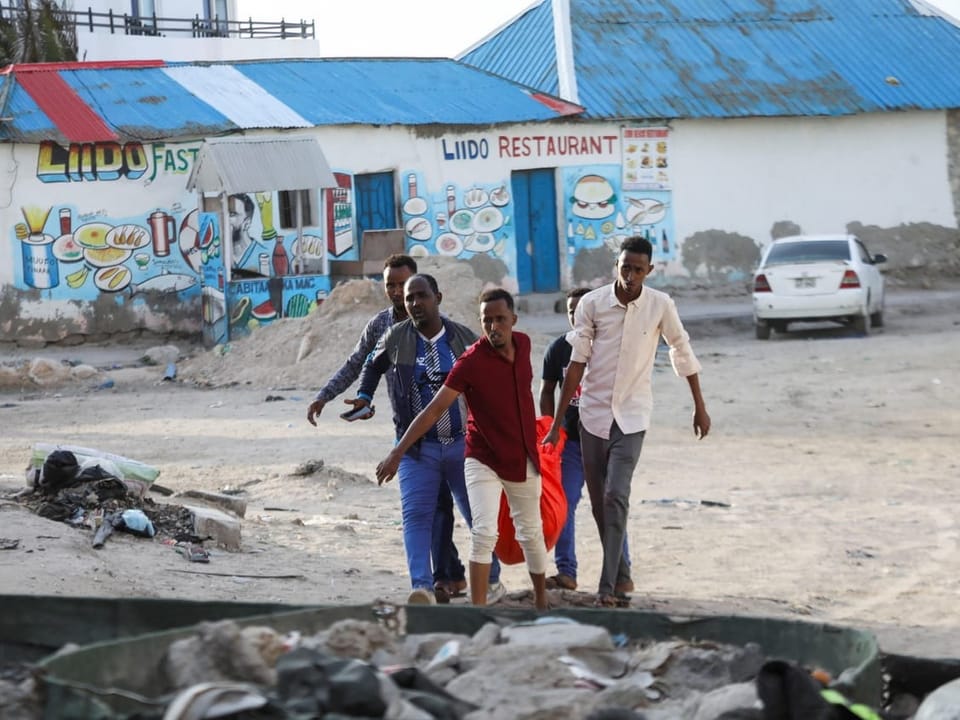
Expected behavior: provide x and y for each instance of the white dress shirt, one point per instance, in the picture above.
(619, 343)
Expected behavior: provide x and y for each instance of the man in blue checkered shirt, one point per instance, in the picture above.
(449, 574)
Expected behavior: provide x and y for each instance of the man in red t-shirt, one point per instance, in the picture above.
(495, 377)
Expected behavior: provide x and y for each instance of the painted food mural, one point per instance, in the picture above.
(598, 213)
(456, 221)
(130, 255)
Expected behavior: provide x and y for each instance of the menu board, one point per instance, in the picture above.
(645, 158)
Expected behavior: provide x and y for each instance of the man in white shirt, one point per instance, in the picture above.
(617, 328)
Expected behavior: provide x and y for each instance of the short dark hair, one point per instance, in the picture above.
(637, 244)
(494, 294)
(430, 280)
(577, 292)
(398, 260)
(247, 203)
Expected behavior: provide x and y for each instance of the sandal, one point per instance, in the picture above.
(605, 601)
(561, 581)
(451, 588)
(617, 600)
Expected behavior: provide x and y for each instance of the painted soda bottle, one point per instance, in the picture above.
(281, 265)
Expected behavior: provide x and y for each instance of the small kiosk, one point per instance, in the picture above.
(273, 263)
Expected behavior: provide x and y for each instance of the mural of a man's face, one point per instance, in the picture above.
(241, 213)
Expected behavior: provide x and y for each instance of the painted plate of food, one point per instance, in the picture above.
(645, 211)
(449, 244)
(128, 237)
(475, 197)
(67, 250)
(488, 220)
(311, 247)
(500, 196)
(106, 256)
(92, 235)
(480, 242)
(419, 228)
(418, 251)
(415, 206)
(112, 279)
(461, 222)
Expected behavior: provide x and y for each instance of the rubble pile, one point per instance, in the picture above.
(102, 492)
(305, 352)
(88, 504)
(43, 372)
(552, 667)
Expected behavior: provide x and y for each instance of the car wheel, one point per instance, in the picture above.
(763, 330)
(876, 319)
(861, 323)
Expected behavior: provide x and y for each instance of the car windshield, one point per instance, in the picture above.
(808, 251)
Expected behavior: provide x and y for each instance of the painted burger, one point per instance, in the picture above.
(593, 198)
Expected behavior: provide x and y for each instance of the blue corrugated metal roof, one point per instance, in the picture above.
(525, 51)
(30, 119)
(408, 92)
(147, 103)
(737, 58)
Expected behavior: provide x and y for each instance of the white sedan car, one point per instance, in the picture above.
(811, 278)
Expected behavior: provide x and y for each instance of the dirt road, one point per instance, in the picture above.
(832, 459)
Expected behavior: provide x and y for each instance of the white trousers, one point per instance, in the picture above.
(483, 491)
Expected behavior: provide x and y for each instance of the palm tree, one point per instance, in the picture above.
(34, 31)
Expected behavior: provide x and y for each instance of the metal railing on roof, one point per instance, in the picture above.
(199, 27)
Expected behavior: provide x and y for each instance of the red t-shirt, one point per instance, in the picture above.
(501, 420)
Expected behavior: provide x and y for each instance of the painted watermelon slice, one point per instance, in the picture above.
(264, 311)
(298, 306)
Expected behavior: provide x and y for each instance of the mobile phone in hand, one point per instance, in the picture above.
(360, 413)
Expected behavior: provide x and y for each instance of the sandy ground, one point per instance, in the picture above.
(836, 455)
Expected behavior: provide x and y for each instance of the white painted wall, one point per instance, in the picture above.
(744, 175)
(100, 46)
(738, 176)
(164, 8)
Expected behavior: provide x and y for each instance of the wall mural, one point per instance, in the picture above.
(455, 221)
(70, 252)
(597, 214)
(275, 275)
(125, 256)
(257, 302)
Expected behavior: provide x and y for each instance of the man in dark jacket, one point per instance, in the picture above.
(421, 351)
(449, 571)
(493, 376)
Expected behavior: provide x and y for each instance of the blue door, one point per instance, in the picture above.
(535, 213)
(376, 204)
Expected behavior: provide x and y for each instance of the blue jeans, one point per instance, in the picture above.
(571, 478)
(420, 481)
(446, 559)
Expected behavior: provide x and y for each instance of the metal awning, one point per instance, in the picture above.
(260, 164)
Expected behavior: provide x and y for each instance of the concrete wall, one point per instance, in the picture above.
(103, 46)
(174, 45)
(721, 192)
(891, 178)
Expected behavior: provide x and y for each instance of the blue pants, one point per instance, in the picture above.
(446, 559)
(420, 480)
(571, 478)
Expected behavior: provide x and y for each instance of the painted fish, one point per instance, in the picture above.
(164, 283)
